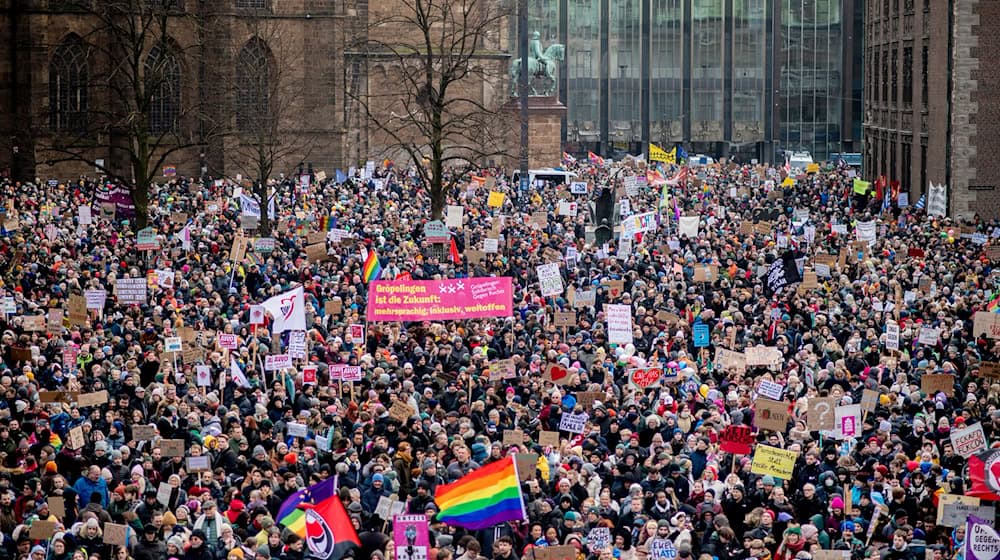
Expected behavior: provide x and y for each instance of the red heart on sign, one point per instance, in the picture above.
(646, 377)
(557, 373)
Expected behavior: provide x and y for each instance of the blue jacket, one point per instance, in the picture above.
(84, 488)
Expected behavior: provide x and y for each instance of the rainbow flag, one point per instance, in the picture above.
(993, 306)
(595, 159)
(484, 498)
(326, 223)
(372, 269)
(292, 517)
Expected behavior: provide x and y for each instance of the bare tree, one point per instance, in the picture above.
(136, 111)
(436, 92)
(268, 93)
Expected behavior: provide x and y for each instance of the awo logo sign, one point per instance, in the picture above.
(287, 307)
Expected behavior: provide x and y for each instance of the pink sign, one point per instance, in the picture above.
(410, 530)
(435, 300)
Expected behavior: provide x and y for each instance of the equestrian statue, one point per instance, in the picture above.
(542, 68)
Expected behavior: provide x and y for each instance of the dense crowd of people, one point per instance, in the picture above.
(648, 466)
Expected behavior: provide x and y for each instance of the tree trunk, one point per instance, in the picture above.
(437, 182)
(140, 198)
(264, 226)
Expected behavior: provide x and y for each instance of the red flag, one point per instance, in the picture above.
(455, 257)
(329, 531)
(984, 470)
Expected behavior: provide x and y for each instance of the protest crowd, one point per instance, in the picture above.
(744, 361)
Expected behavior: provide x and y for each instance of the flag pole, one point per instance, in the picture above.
(520, 495)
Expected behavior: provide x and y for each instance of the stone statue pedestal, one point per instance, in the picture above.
(545, 115)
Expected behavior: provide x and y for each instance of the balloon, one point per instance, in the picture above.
(682, 365)
(672, 365)
(703, 390)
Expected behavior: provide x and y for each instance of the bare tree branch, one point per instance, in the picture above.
(438, 55)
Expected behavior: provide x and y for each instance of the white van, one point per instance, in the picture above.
(548, 176)
(800, 160)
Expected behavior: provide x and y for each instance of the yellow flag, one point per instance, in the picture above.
(788, 182)
(812, 168)
(657, 153)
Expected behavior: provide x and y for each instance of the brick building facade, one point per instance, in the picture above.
(931, 113)
(47, 81)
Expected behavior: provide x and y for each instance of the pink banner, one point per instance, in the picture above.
(435, 300)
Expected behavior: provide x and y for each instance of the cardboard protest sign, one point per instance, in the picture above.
(78, 310)
(773, 461)
(57, 396)
(115, 534)
(513, 437)
(57, 506)
(503, 369)
(989, 369)
(549, 279)
(730, 360)
(526, 465)
(586, 399)
(548, 439)
(316, 252)
(955, 513)
(821, 413)
(33, 323)
(706, 273)
(645, 378)
(945, 499)
(131, 291)
(96, 398)
(556, 373)
(199, 464)
(143, 432)
(869, 400)
(401, 412)
(172, 447)
(933, 383)
(42, 530)
(762, 356)
(770, 415)
(986, 322)
(564, 319)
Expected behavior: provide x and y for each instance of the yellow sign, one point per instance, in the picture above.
(861, 187)
(495, 200)
(773, 461)
(788, 182)
(657, 153)
(812, 168)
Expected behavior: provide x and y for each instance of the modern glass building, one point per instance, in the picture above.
(723, 77)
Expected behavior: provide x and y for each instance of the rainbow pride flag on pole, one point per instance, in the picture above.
(486, 497)
(292, 517)
(372, 269)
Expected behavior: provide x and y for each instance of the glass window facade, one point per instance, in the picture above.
(700, 72)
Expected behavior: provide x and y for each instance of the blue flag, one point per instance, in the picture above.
(341, 178)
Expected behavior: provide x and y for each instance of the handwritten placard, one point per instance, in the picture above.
(933, 383)
(115, 534)
(172, 447)
(548, 439)
(513, 437)
(92, 399)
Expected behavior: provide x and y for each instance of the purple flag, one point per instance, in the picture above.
(981, 541)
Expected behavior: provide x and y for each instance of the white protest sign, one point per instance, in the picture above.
(454, 217)
(491, 245)
(688, 225)
(969, 441)
(172, 344)
(295, 429)
(297, 344)
(929, 336)
(256, 314)
(578, 187)
(549, 279)
(203, 375)
(277, 361)
(847, 421)
(573, 423)
(866, 231)
(619, 319)
(770, 389)
(892, 335)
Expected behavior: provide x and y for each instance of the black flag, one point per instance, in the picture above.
(781, 273)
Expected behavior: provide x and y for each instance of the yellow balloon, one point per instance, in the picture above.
(703, 391)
